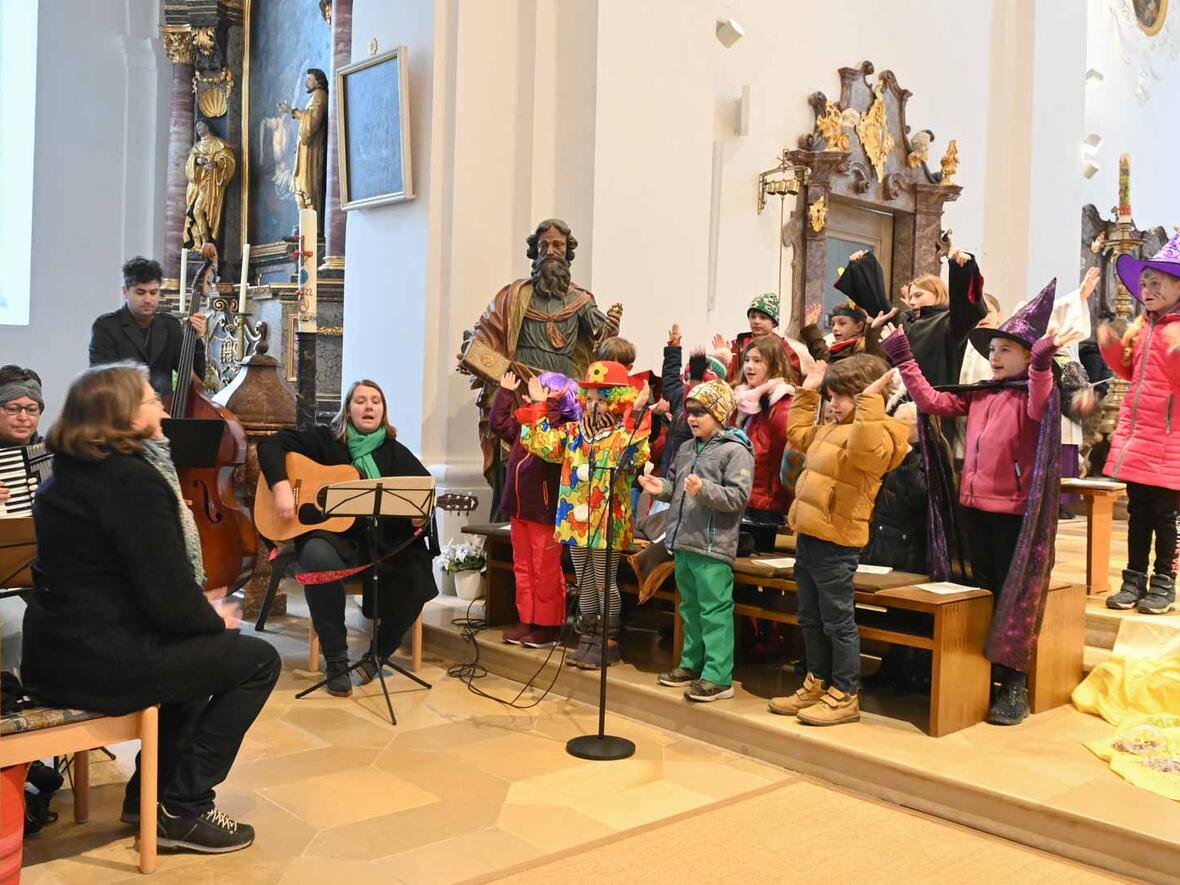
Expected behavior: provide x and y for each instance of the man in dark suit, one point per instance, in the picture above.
(136, 331)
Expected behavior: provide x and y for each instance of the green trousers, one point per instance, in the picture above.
(706, 607)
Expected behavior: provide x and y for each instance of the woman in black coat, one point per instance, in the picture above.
(118, 620)
(361, 430)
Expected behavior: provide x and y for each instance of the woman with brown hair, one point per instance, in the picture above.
(360, 435)
(118, 621)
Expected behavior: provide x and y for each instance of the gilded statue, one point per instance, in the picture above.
(211, 165)
(831, 128)
(950, 162)
(311, 156)
(817, 213)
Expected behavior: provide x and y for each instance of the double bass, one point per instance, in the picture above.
(229, 544)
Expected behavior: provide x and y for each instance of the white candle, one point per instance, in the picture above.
(245, 274)
(183, 275)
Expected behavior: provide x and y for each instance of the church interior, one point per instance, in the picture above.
(557, 440)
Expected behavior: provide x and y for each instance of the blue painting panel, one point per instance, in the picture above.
(373, 119)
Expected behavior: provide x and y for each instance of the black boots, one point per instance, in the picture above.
(339, 680)
(1160, 597)
(1011, 703)
(1133, 589)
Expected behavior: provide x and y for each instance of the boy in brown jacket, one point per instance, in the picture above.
(843, 465)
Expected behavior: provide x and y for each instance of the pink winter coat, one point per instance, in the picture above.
(1144, 448)
(1002, 428)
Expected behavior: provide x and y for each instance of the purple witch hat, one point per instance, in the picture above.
(1166, 259)
(1025, 326)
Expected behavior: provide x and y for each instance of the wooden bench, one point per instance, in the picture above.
(1100, 496)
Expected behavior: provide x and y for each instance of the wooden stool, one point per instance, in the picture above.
(41, 732)
(1100, 496)
(356, 588)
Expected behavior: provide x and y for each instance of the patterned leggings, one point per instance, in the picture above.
(591, 571)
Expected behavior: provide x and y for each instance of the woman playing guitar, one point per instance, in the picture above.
(360, 435)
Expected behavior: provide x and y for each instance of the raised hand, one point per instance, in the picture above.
(692, 485)
(1107, 336)
(1089, 282)
(663, 407)
(1085, 402)
(719, 341)
(857, 256)
(536, 390)
(1063, 338)
(884, 384)
(814, 312)
(815, 375)
(882, 318)
(958, 256)
(653, 485)
(674, 335)
(888, 331)
(642, 399)
(509, 381)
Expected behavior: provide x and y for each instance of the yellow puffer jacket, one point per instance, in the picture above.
(842, 467)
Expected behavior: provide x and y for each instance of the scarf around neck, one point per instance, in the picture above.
(361, 447)
(158, 453)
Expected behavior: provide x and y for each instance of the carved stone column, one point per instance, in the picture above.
(341, 56)
(178, 43)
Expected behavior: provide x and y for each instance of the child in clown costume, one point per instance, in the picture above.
(607, 436)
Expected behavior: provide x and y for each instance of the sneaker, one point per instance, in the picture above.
(541, 637)
(211, 833)
(1011, 705)
(834, 708)
(809, 693)
(1128, 596)
(705, 691)
(366, 672)
(1161, 596)
(678, 677)
(585, 642)
(339, 682)
(515, 634)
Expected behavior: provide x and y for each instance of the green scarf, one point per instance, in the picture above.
(361, 447)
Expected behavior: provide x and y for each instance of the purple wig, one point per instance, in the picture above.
(565, 392)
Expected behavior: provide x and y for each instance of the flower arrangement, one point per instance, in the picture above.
(465, 557)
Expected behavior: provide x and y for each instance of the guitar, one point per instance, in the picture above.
(309, 479)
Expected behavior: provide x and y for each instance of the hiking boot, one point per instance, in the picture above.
(367, 671)
(808, 693)
(834, 708)
(1011, 704)
(1133, 589)
(1161, 596)
(678, 677)
(339, 682)
(541, 637)
(705, 691)
(593, 659)
(585, 641)
(211, 833)
(515, 634)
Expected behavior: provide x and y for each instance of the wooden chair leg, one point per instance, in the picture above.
(82, 786)
(313, 650)
(416, 646)
(149, 745)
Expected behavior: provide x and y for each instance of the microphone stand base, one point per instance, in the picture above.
(603, 748)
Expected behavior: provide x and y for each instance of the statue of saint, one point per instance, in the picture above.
(311, 157)
(545, 323)
(210, 166)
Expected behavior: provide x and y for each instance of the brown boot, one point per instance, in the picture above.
(834, 708)
(809, 693)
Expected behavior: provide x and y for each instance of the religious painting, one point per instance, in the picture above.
(1150, 14)
(284, 38)
(374, 131)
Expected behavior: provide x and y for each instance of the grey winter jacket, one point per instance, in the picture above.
(709, 522)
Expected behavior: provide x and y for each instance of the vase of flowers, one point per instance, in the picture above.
(465, 562)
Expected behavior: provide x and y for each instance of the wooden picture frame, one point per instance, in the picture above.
(373, 120)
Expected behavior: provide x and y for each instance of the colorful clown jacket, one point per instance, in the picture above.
(584, 491)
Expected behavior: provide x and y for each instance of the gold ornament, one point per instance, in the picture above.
(213, 91)
(817, 212)
(950, 162)
(831, 130)
(178, 43)
(204, 40)
(873, 131)
(326, 10)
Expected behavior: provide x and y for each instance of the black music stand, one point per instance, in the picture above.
(374, 500)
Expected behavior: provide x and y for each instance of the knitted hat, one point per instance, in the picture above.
(605, 373)
(716, 397)
(768, 303)
(1166, 259)
(1025, 326)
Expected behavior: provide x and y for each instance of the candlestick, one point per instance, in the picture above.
(245, 275)
(307, 270)
(183, 275)
(1125, 187)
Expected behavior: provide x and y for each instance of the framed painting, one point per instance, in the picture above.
(373, 117)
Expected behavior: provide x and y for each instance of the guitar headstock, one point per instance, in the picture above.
(452, 503)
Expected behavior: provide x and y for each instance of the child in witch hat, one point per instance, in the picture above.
(593, 517)
(1145, 453)
(1010, 486)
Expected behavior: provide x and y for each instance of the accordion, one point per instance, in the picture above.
(22, 470)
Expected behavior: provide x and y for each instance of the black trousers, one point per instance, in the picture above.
(992, 540)
(1151, 510)
(202, 726)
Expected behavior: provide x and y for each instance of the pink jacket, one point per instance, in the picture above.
(1002, 429)
(1144, 448)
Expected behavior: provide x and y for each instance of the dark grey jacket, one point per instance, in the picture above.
(710, 521)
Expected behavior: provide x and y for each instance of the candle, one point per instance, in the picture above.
(1125, 187)
(183, 275)
(245, 274)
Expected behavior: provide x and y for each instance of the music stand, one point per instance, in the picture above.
(397, 497)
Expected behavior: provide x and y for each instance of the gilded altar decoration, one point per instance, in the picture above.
(831, 129)
(817, 213)
(326, 10)
(204, 40)
(178, 43)
(211, 164)
(873, 131)
(919, 149)
(213, 91)
(950, 162)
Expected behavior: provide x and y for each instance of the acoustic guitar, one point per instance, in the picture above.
(309, 479)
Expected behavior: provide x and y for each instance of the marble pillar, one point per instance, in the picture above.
(341, 56)
(178, 43)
